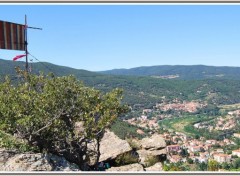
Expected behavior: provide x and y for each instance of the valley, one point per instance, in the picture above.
(199, 118)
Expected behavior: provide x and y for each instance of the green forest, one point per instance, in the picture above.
(143, 90)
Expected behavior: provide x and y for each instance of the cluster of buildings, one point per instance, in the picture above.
(184, 106)
(221, 124)
(199, 150)
(152, 123)
(144, 122)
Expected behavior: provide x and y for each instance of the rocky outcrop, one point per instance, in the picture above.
(155, 146)
(34, 162)
(130, 167)
(155, 142)
(145, 154)
(111, 146)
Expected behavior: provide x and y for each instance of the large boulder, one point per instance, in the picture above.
(35, 162)
(154, 146)
(130, 167)
(155, 142)
(144, 155)
(111, 146)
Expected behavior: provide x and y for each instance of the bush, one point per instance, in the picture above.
(43, 110)
(9, 142)
(190, 161)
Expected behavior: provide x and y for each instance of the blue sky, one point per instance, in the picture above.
(103, 37)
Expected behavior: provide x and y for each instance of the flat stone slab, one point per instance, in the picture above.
(155, 167)
(130, 167)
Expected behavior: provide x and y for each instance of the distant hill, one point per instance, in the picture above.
(142, 90)
(191, 72)
(8, 68)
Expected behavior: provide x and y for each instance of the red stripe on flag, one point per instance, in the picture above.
(19, 56)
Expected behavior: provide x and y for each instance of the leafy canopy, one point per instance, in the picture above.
(44, 110)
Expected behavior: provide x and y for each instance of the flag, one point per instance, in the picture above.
(12, 36)
(19, 56)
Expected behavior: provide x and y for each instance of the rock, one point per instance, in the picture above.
(37, 162)
(152, 147)
(130, 167)
(111, 146)
(144, 154)
(155, 142)
(61, 164)
(5, 154)
(155, 167)
(92, 152)
(27, 162)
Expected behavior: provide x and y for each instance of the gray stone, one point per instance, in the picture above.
(36, 162)
(145, 154)
(111, 146)
(5, 154)
(155, 142)
(130, 167)
(155, 167)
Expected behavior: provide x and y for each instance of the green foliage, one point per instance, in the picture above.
(43, 110)
(213, 165)
(184, 152)
(189, 160)
(202, 166)
(125, 130)
(9, 142)
(146, 90)
(126, 158)
(184, 72)
(236, 164)
(175, 167)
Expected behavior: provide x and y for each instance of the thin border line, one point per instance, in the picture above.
(119, 1)
(122, 173)
(119, 173)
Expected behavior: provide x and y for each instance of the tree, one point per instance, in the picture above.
(202, 166)
(190, 161)
(184, 152)
(212, 165)
(44, 110)
(236, 163)
(226, 166)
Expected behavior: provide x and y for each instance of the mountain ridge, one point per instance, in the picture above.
(186, 72)
(142, 89)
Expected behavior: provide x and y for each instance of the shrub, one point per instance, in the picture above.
(43, 110)
(9, 142)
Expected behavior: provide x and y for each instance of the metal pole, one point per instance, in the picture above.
(26, 43)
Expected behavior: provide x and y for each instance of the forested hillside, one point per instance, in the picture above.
(143, 90)
(185, 72)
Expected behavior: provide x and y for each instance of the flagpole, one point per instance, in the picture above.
(26, 43)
